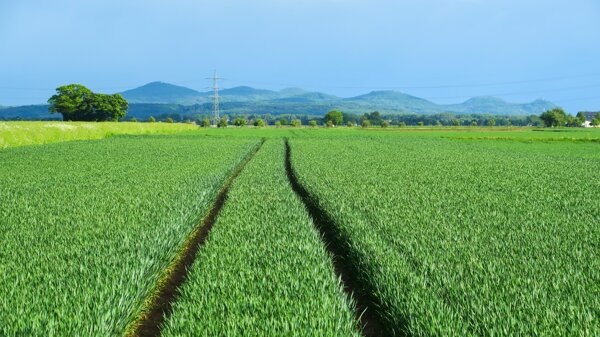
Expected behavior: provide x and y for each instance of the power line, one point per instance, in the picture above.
(398, 87)
(442, 86)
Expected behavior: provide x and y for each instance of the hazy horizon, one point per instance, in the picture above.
(441, 50)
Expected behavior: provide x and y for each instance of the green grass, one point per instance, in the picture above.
(264, 270)
(28, 133)
(88, 227)
(466, 237)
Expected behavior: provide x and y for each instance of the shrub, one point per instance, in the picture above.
(239, 121)
(151, 119)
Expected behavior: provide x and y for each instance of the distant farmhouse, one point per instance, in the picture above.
(589, 116)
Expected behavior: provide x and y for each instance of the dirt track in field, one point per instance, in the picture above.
(149, 323)
(344, 261)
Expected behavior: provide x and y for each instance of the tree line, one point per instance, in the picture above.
(77, 103)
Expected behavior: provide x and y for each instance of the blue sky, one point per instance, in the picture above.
(443, 50)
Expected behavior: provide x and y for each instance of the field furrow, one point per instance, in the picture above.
(263, 270)
(465, 237)
(87, 228)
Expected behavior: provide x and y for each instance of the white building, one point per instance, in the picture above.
(589, 116)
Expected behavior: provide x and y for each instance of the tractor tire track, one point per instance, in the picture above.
(160, 303)
(372, 323)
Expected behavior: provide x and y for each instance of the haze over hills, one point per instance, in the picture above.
(385, 101)
(158, 98)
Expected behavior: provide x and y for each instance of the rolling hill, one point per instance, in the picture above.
(160, 92)
(158, 98)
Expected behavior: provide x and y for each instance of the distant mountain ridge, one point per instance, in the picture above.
(249, 100)
(158, 98)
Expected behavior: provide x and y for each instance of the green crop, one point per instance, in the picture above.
(466, 237)
(263, 270)
(28, 133)
(87, 228)
(450, 231)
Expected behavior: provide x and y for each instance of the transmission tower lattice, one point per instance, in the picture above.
(216, 109)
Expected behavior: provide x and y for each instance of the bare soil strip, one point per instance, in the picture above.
(160, 304)
(344, 260)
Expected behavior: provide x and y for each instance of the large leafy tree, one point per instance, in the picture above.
(554, 117)
(335, 117)
(69, 101)
(78, 103)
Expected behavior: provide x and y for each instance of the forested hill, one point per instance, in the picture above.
(158, 98)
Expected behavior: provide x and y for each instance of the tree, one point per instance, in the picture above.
(69, 101)
(133, 120)
(474, 123)
(77, 103)
(455, 122)
(259, 122)
(401, 125)
(223, 123)
(581, 117)
(169, 120)
(205, 122)
(349, 124)
(573, 121)
(278, 124)
(365, 123)
(329, 124)
(296, 123)
(335, 117)
(420, 124)
(101, 107)
(312, 123)
(239, 121)
(283, 121)
(554, 117)
(385, 124)
(151, 119)
(491, 122)
(596, 121)
(375, 118)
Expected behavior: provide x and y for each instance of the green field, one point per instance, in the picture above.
(88, 227)
(28, 133)
(264, 270)
(396, 232)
